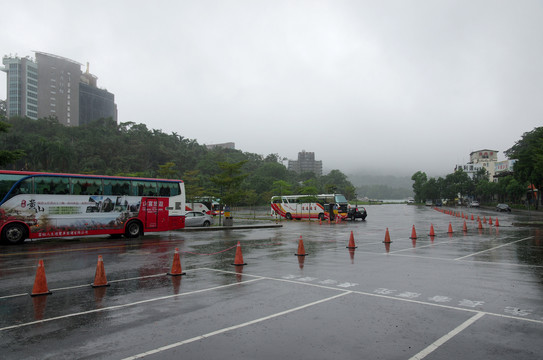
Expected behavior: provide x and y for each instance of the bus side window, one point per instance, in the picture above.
(116, 187)
(174, 189)
(60, 185)
(43, 185)
(76, 187)
(150, 188)
(164, 190)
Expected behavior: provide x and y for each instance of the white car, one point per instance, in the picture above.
(474, 204)
(196, 218)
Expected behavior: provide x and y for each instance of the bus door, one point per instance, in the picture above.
(155, 213)
(150, 212)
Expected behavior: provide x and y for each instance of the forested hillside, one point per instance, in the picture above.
(105, 147)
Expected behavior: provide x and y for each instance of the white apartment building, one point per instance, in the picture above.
(487, 159)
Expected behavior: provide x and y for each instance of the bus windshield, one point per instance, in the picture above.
(6, 183)
(340, 199)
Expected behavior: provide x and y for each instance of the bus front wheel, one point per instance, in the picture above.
(133, 229)
(288, 216)
(14, 233)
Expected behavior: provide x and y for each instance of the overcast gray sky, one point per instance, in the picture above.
(399, 86)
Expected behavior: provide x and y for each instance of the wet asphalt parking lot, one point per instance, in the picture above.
(474, 294)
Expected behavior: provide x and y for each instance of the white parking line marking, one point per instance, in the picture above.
(88, 284)
(494, 248)
(221, 331)
(436, 344)
(116, 307)
(396, 298)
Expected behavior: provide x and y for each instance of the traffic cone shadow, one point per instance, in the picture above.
(301, 260)
(99, 293)
(40, 282)
(239, 273)
(176, 283)
(176, 265)
(238, 260)
(39, 306)
(100, 274)
(351, 254)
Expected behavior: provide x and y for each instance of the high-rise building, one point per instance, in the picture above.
(55, 86)
(306, 163)
(22, 86)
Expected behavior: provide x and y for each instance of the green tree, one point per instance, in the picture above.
(167, 171)
(420, 179)
(431, 189)
(228, 182)
(281, 187)
(8, 156)
(529, 154)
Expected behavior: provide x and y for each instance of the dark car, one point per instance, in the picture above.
(503, 207)
(356, 212)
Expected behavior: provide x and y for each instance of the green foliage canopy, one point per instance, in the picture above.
(130, 149)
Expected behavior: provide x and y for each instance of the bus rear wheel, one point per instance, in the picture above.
(133, 229)
(14, 234)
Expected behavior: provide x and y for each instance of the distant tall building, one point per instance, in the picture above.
(306, 163)
(55, 86)
(227, 145)
(22, 86)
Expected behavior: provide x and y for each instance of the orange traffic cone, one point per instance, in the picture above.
(465, 227)
(490, 221)
(387, 237)
(176, 266)
(432, 233)
(100, 275)
(497, 223)
(238, 260)
(40, 283)
(413, 233)
(480, 226)
(450, 228)
(301, 249)
(472, 218)
(351, 242)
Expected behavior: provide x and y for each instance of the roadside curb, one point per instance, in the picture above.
(238, 227)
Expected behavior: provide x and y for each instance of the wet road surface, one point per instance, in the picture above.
(467, 294)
